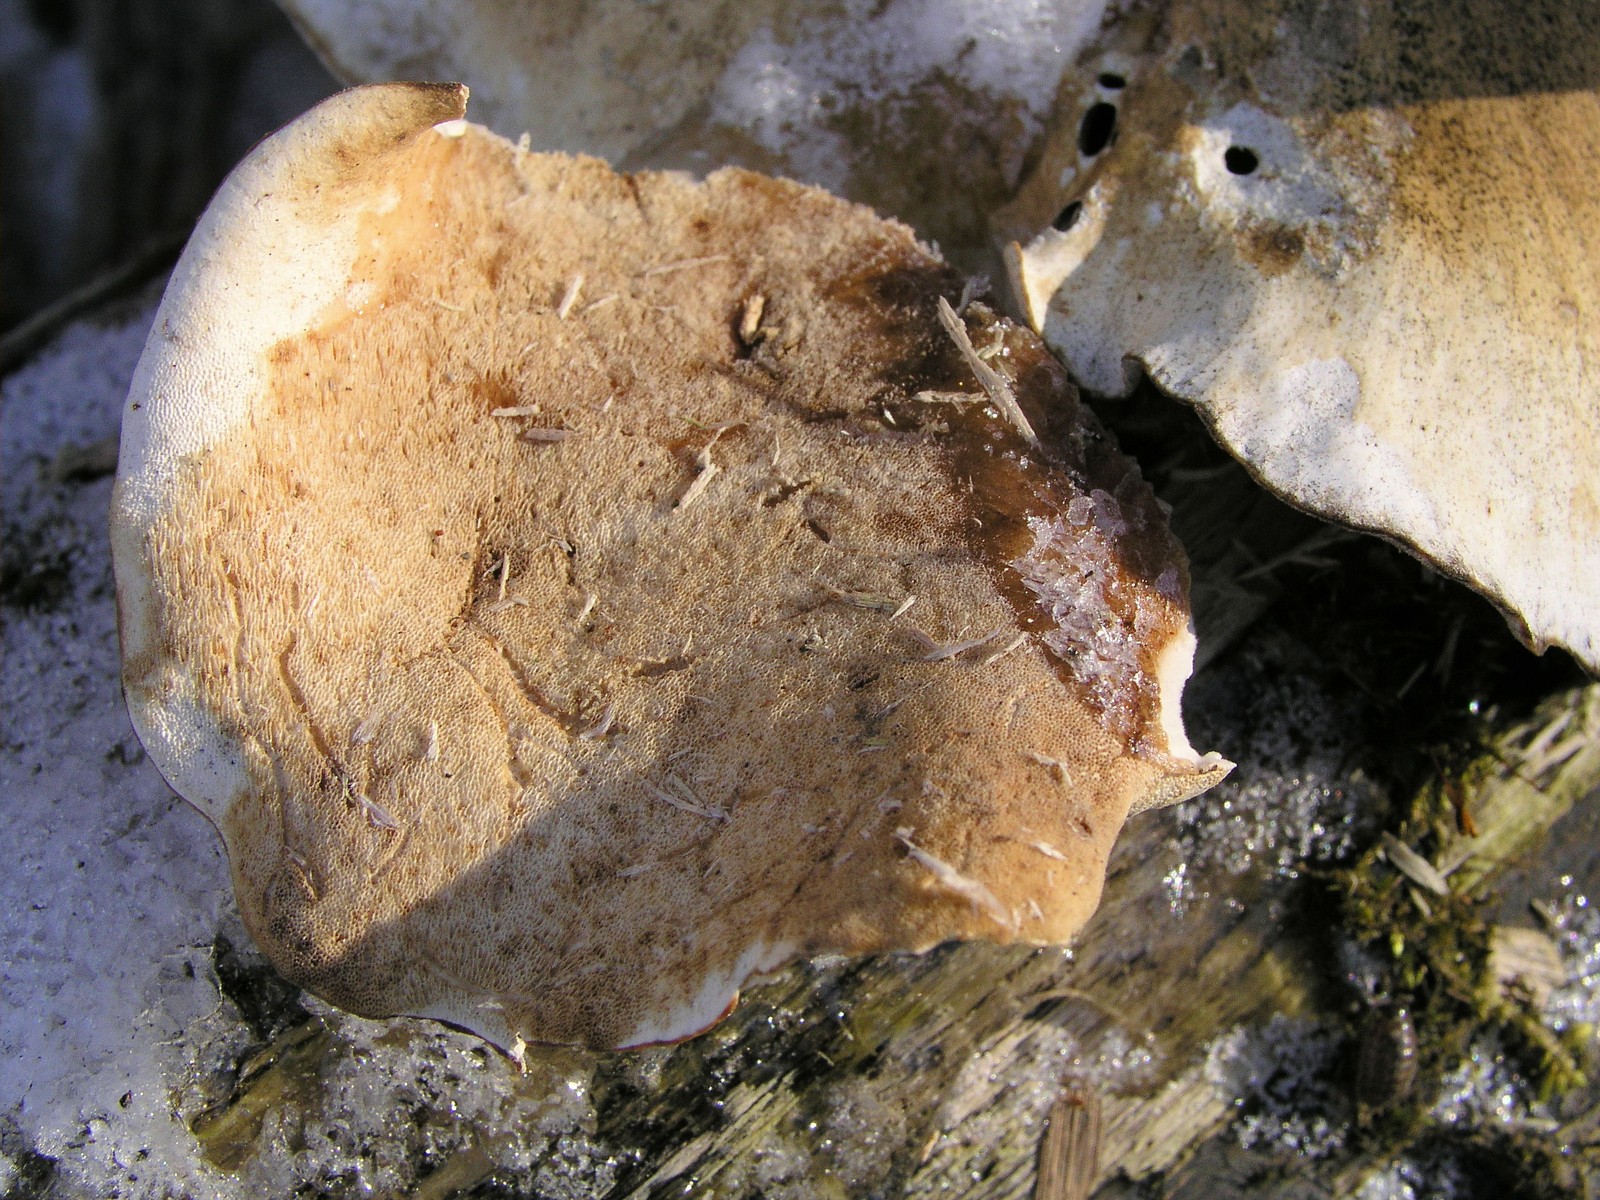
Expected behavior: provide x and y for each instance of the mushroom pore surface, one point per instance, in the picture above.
(1364, 243)
(571, 593)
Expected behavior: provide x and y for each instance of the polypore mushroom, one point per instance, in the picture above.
(925, 113)
(571, 593)
(1363, 244)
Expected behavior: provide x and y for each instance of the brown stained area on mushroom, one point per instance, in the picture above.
(465, 800)
(1081, 551)
(1085, 533)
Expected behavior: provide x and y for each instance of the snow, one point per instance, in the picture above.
(1484, 1089)
(1295, 798)
(1282, 1081)
(1577, 934)
(113, 889)
(394, 1094)
(1003, 1094)
(790, 96)
(1409, 1180)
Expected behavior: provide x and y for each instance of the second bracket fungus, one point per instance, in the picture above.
(925, 109)
(1364, 241)
(571, 594)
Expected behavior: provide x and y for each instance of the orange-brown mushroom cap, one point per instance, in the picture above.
(572, 593)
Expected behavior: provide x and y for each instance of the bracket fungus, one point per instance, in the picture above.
(571, 593)
(1364, 242)
(924, 110)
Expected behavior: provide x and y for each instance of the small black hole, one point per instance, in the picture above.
(1241, 160)
(1094, 133)
(1112, 81)
(1068, 216)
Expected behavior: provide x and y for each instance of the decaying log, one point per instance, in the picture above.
(935, 1075)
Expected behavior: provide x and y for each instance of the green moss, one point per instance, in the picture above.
(1437, 948)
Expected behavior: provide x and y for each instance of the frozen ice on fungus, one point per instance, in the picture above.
(1366, 253)
(571, 594)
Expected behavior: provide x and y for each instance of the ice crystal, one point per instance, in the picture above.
(1281, 1080)
(1294, 798)
(1073, 569)
(1577, 933)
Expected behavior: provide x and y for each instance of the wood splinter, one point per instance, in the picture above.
(1069, 1152)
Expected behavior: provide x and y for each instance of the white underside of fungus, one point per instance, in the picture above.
(1364, 242)
(571, 593)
